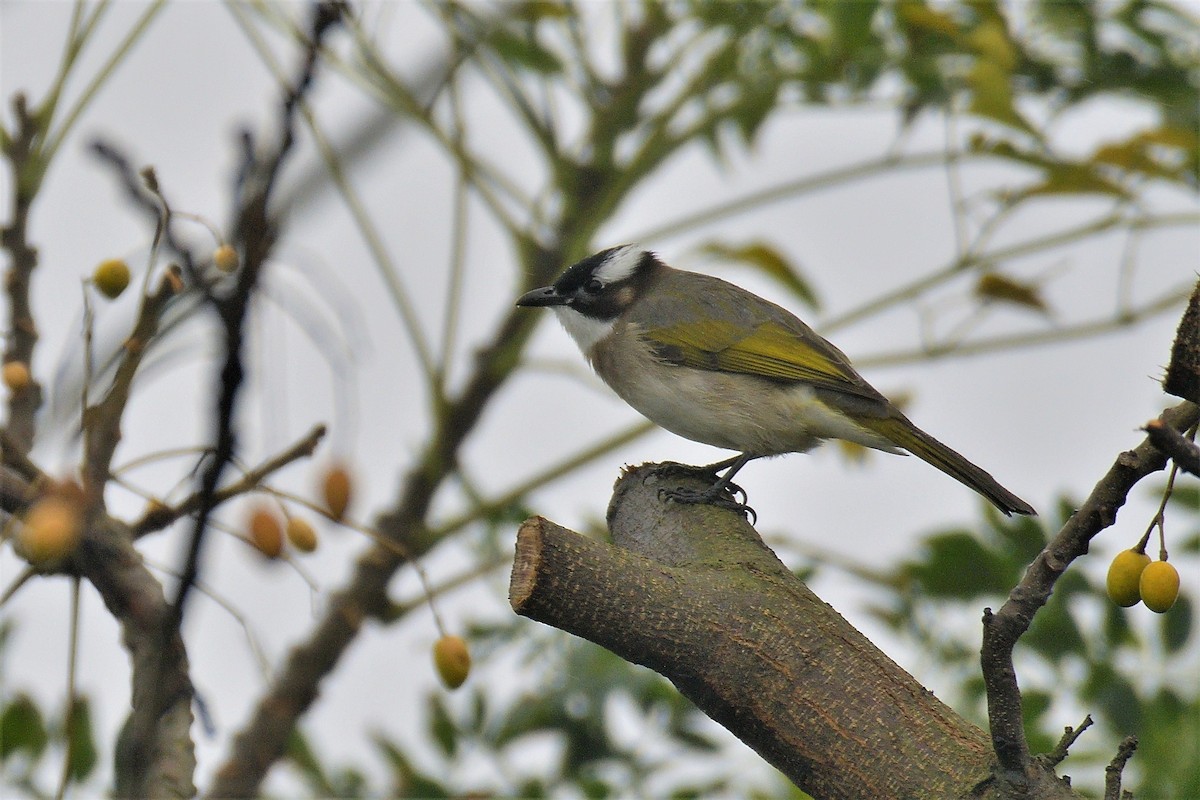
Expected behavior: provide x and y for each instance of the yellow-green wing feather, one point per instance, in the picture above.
(768, 350)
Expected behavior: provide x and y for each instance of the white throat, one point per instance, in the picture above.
(586, 331)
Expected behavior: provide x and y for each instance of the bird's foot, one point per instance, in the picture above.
(721, 494)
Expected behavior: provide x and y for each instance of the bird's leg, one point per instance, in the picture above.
(723, 493)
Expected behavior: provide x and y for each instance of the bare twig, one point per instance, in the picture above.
(1112, 773)
(22, 334)
(1179, 448)
(1069, 737)
(161, 516)
(69, 716)
(102, 422)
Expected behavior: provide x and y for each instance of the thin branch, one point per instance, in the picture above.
(1112, 773)
(1065, 742)
(160, 517)
(1183, 451)
(385, 265)
(977, 258)
(22, 334)
(72, 692)
(100, 77)
(789, 190)
(1168, 301)
(102, 422)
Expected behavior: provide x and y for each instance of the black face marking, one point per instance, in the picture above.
(592, 297)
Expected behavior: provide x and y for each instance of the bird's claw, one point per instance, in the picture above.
(725, 498)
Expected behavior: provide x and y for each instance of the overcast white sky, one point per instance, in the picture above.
(1045, 422)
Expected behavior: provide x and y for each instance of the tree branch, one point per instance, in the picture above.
(692, 592)
(27, 170)
(1002, 629)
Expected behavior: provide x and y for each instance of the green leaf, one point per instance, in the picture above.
(994, 287)
(1114, 695)
(22, 728)
(1177, 624)
(768, 260)
(524, 53)
(535, 10)
(441, 726)
(302, 756)
(1054, 632)
(957, 565)
(1074, 179)
(81, 742)
(1117, 630)
(918, 15)
(991, 41)
(992, 95)
(408, 780)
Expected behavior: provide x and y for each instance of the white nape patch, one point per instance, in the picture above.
(585, 330)
(620, 264)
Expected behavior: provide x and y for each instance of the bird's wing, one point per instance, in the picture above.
(769, 350)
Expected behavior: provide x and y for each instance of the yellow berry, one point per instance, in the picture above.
(337, 488)
(302, 535)
(1159, 586)
(16, 375)
(225, 258)
(266, 533)
(111, 277)
(1123, 575)
(452, 659)
(51, 530)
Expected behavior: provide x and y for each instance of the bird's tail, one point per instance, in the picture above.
(904, 434)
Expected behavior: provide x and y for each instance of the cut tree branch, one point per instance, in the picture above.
(693, 593)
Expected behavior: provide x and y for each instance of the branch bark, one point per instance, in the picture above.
(693, 593)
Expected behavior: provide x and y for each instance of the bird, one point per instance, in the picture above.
(715, 363)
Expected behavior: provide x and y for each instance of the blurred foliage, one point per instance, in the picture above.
(34, 741)
(591, 725)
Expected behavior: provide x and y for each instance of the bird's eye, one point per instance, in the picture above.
(593, 286)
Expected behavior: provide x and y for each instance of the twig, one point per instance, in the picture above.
(1184, 452)
(22, 335)
(1112, 773)
(161, 516)
(102, 422)
(1069, 737)
(1002, 629)
(69, 716)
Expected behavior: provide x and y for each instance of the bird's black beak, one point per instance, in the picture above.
(545, 296)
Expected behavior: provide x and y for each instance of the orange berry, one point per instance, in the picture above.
(111, 277)
(266, 533)
(51, 530)
(225, 258)
(452, 659)
(338, 489)
(302, 535)
(1159, 586)
(1124, 573)
(16, 375)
